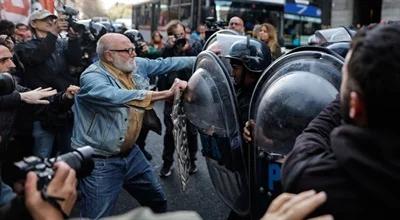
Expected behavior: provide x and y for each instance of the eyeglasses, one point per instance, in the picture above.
(130, 51)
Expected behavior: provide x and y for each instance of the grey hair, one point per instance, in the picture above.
(101, 47)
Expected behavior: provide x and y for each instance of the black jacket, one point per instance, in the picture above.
(165, 82)
(11, 105)
(47, 61)
(358, 168)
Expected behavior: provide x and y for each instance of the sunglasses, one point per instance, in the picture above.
(130, 51)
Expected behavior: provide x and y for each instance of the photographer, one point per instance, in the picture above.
(46, 59)
(142, 49)
(32, 205)
(177, 45)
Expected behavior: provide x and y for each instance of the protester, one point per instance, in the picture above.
(108, 114)
(22, 33)
(7, 28)
(350, 150)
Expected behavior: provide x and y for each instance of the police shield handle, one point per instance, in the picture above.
(248, 131)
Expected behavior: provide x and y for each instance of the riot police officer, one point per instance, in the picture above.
(248, 59)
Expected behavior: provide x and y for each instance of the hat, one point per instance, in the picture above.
(40, 14)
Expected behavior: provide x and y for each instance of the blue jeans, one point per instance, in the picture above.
(100, 190)
(6, 194)
(44, 140)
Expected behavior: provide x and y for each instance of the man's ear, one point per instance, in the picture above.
(33, 24)
(357, 111)
(108, 57)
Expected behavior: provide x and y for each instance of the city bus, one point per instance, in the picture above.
(151, 15)
(301, 20)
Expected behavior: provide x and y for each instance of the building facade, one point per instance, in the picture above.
(363, 12)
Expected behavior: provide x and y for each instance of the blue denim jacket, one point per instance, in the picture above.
(100, 110)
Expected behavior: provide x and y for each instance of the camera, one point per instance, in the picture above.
(80, 160)
(180, 41)
(213, 26)
(139, 45)
(71, 12)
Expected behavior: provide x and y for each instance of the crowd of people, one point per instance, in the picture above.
(343, 165)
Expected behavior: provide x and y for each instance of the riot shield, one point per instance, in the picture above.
(210, 105)
(222, 40)
(289, 94)
(213, 38)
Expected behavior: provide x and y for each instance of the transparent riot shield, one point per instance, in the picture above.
(289, 94)
(210, 105)
(213, 38)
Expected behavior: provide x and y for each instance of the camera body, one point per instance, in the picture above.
(71, 12)
(139, 44)
(180, 41)
(80, 160)
(213, 26)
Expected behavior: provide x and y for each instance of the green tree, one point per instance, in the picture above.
(90, 8)
(120, 11)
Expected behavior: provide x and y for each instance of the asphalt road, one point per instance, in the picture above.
(199, 196)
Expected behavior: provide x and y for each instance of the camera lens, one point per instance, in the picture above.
(80, 160)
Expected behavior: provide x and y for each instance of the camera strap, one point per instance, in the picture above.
(53, 201)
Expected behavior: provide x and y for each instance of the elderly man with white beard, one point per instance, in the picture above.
(108, 115)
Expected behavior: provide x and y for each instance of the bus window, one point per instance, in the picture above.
(252, 13)
(298, 29)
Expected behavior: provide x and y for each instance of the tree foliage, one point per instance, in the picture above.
(90, 9)
(120, 11)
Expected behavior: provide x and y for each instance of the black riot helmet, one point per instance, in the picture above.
(340, 48)
(97, 29)
(254, 54)
(134, 36)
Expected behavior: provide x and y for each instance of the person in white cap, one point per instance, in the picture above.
(47, 60)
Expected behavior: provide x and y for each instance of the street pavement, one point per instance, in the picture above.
(200, 195)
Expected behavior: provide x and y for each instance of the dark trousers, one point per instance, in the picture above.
(141, 140)
(169, 145)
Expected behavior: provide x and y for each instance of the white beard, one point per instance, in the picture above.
(126, 67)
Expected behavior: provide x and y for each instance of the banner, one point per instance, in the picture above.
(17, 11)
(48, 5)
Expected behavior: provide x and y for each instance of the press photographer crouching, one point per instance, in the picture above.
(50, 186)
